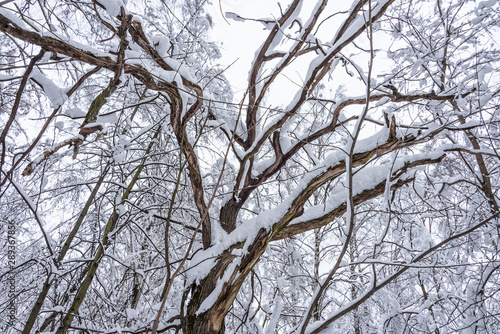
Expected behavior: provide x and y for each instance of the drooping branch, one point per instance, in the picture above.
(179, 123)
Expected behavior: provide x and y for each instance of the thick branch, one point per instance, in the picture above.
(282, 229)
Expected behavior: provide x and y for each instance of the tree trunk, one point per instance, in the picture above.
(209, 321)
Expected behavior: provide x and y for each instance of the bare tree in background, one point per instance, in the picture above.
(352, 187)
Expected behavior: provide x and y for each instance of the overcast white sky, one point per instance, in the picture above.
(240, 40)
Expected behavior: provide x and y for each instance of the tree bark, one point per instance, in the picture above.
(229, 214)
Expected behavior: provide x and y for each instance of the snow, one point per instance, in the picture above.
(485, 98)
(17, 21)
(275, 316)
(91, 125)
(6, 77)
(179, 68)
(175, 76)
(56, 95)
(59, 125)
(261, 165)
(382, 101)
(274, 121)
(144, 130)
(161, 43)
(487, 3)
(203, 261)
(212, 298)
(112, 6)
(363, 179)
(45, 180)
(119, 156)
(131, 313)
(285, 141)
(245, 172)
(356, 25)
(416, 67)
(110, 118)
(274, 43)
(75, 112)
(268, 195)
(80, 46)
(234, 16)
(168, 76)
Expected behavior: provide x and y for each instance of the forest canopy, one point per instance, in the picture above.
(344, 180)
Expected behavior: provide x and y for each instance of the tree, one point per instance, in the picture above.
(353, 187)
